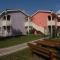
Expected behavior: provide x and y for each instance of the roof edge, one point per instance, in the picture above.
(41, 11)
(7, 10)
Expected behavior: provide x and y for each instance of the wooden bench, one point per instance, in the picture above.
(51, 54)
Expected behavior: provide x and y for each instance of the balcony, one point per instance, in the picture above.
(51, 22)
(28, 23)
(6, 23)
(58, 23)
(6, 33)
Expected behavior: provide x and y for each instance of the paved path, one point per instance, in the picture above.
(12, 49)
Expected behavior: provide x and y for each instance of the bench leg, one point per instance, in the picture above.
(52, 57)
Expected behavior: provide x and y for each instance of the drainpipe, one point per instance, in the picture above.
(1, 29)
(56, 27)
(51, 25)
(28, 24)
(6, 20)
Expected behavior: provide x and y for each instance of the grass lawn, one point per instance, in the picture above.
(21, 55)
(6, 42)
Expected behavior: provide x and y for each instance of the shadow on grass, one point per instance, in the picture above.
(10, 37)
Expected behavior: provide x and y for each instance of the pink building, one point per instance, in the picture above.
(43, 20)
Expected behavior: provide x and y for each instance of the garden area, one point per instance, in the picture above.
(11, 41)
(21, 55)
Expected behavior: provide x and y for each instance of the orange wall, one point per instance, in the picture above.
(41, 19)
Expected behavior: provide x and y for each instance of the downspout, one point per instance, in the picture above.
(28, 24)
(56, 27)
(51, 25)
(1, 29)
(6, 20)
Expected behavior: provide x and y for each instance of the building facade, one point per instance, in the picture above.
(58, 27)
(12, 23)
(45, 22)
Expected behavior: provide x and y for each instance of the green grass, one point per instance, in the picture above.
(6, 42)
(21, 55)
(54, 38)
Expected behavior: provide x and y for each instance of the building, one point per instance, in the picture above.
(28, 25)
(45, 22)
(58, 24)
(12, 23)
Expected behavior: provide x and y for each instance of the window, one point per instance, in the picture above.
(8, 28)
(4, 17)
(58, 20)
(49, 17)
(4, 27)
(26, 19)
(52, 18)
(8, 17)
(0, 28)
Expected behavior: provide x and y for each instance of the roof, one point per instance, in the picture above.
(10, 11)
(45, 11)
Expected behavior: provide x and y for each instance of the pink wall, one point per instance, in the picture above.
(41, 18)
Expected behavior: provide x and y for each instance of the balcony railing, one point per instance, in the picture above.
(58, 23)
(51, 22)
(5, 33)
(6, 23)
(28, 23)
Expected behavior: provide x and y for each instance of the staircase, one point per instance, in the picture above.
(39, 28)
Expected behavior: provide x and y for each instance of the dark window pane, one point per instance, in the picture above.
(26, 19)
(52, 18)
(8, 28)
(58, 20)
(4, 27)
(0, 28)
(49, 17)
(8, 17)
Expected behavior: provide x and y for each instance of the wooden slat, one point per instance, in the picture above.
(42, 50)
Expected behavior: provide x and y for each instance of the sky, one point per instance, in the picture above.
(30, 6)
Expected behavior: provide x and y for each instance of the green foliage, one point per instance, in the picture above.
(10, 41)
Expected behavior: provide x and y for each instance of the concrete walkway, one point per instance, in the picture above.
(12, 49)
